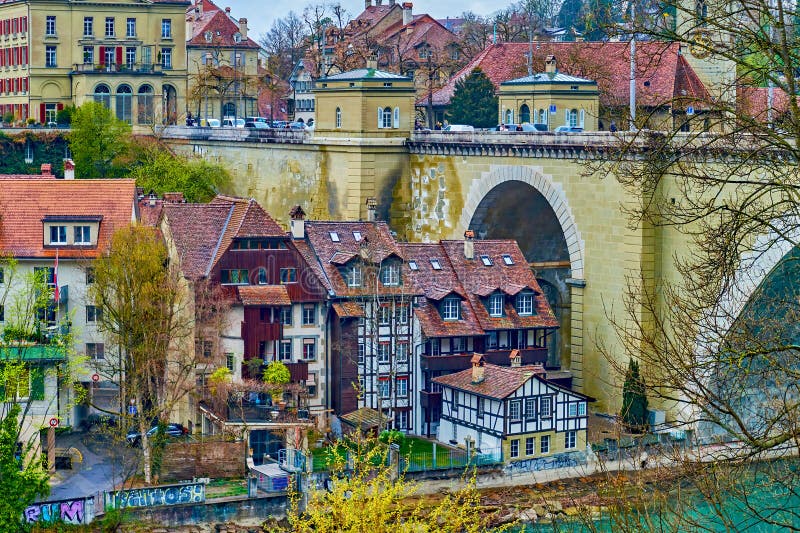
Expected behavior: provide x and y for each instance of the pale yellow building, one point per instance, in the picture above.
(223, 64)
(551, 99)
(128, 54)
(365, 102)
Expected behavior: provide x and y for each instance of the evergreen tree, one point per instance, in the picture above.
(474, 101)
(634, 399)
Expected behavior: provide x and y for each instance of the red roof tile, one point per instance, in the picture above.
(661, 71)
(348, 310)
(196, 231)
(275, 295)
(221, 25)
(24, 202)
(498, 381)
(753, 102)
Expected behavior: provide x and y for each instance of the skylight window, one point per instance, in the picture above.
(334, 236)
(357, 236)
(435, 264)
(413, 265)
(507, 259)
(487, 260)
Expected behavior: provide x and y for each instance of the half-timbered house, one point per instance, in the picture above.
(516, 409)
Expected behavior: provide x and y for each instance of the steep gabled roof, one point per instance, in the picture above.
(25, 202)
(661, 71)
(499, 382)
(221, 25)
(196, 231)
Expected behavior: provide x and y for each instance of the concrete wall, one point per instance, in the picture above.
(211, 512)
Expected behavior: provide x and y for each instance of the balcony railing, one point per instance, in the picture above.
(298, 371)
(454, 363)
(430, 398)
(125, 68)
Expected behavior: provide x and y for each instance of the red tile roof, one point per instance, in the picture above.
(220, 24)
(498, 381)
(662, 73)
(24, 202)
(275, 295)
(753, 102)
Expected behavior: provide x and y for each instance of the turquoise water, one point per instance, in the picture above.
(763, 499)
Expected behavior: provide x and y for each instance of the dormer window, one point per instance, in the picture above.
(436, 264)
(508, 260)
(83, 235)
(413, 265)
(334, 236)
(353, 276)
(357, 236)
(58, 235)
(451, 309)
(495, 305)
(487, 261)
(525, 303)
(390, 275)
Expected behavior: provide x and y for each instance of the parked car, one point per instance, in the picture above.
(230, 122)
(279, 123)
(210, 122)
(568, 129)
(527, 126)
(296, 126)
(173, 430)
(256, 119)
(96, 421)
(256, 125)
(459, 128)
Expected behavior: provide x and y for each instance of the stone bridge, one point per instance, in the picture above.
(532, 187)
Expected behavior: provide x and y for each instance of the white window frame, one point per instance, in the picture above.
(572, 410)
(88, 55)
(60, 233)
(88, 26)
(401, 352)
(544, 444)
(451, 309)
(50, 26)
(515, 410)
(384, 388)
(570, 440)
(313, 316)
(396, 118)
(166, 28)
(384, 352)
(390, 275)
(545, 410)
(130, 27)
(495, 306)
(82, 235)
(530, 408)
(285, 350)
(582, 409)
(481, 407)
(386, 119)
(312, 343)
(525, 303)
(130, 56)
(514, 448)
(401, 387)
(353, 276)
(530, 450)
(51, 56)
(109, 27)
(166, 58)
(362, 352)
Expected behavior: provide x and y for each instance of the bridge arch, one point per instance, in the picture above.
(544, 186)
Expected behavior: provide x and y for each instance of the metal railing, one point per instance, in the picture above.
(134, 68)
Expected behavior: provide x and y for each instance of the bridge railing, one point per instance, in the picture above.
(514, 137)
(234, 134)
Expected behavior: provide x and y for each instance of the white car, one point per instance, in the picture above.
(210, 123)
(230, 122)
(459, 127)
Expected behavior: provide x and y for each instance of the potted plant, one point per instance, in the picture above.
(277, 376)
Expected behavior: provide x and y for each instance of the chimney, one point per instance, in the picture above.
(372, 62)
(469, 244)
(516, 358)
(372, 207)
(228, 11)
(152, 198)
(47, 169)
(550, 65)
(477, 368)
(243, 28)
(69, 169)
(297, 222)
(407, 6)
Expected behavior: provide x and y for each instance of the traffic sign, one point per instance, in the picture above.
(690, 110)
(95, 377)
(54, 422)
(552, 109)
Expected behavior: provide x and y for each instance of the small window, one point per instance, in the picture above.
(486, 260)
(402, 387)
(384, 315)
(234, 277)
(362, 352)
(530, 408)
(481, 407)
(2, 275)
(582, 409)
(544, 444)
(334, 236)
(572, 410)
(309, 349)
(413, 265)
(95, 350)
(401, 352)
(390, 275)
(230, 361)
(544, 407)
(451, 309)
(495, 305)
(384, 388)
(93, 313)
(353, 276)
(436, 264)
(261, 277)
(515, 410)
(514, 448)
(58, 235)
(387, 84)
(530, 446)
(50, 56)
(286, 316)
(130, 27)
(357, 236)
(88, 26)
(338, 117)
(309, 314)
(208, 348)
(570, 440)
(89, 276)
(525, 303)
(166, 29)
(285, 350)
(402, 314)
(507, 259)
(50, 26)
(288, 275)
(83, 235)
(109, 26)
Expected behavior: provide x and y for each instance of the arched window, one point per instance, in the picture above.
(124, 103)
(338, 117)
(702, 12)
(524, 113)
(144, 105)
(509, 117)
(102, 94)
(387, 117)
(573, 118)
(229, 109)
(542, 117)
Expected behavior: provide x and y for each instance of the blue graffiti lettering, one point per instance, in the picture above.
(156, 496)
(542, 463)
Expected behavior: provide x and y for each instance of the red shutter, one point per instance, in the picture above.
(119, 55)
(25, 24)
(2, 86)
(102, 55)
(41, 110)
(25, 111)
(59, 106)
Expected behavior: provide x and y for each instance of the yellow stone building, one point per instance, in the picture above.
(551, 99)
(223, 63)
(129, 55)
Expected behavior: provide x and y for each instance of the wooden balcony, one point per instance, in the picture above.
(449, 363)
(298, 371)
(530, 356)
(430, 399)
(266, 331)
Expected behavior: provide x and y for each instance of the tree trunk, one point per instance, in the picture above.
(144, 442)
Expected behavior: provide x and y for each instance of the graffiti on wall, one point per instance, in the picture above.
(156, 496)
(543, 463)
(76, 511)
